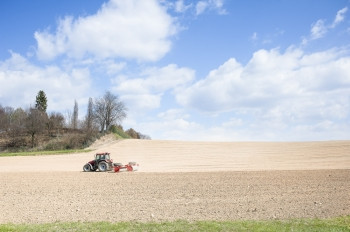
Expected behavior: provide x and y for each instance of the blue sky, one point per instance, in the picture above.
(187, 70)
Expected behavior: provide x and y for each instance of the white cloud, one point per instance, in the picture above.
(201, 6)
(197, 8)
(134, 29)
(269, 76)
(213, 93)
(181, 7)
(172, 114)
(145, 91)
(112, 67)
(142, 101)
(172, 124)
(20, 81)
(278, 90)
(320, 28)
(205, 5)
(233, 122)
(340, 16)
(276, 96)
(254, 37)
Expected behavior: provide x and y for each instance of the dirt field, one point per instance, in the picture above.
(181, 180)
(178, 156)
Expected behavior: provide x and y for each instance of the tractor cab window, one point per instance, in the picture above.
(102, 156)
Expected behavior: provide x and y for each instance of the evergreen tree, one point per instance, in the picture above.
(41, 101)
(75, 116)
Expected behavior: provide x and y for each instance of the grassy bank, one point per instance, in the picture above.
(334, 224)
(35, 153)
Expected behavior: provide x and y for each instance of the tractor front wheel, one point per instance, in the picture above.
(87, 168)
(102, 166)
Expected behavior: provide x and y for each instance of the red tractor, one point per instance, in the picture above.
(103, 163)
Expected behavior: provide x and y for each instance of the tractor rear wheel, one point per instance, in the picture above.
(102, 166)
(87, 168)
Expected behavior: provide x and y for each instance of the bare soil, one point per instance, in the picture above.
(181, 180)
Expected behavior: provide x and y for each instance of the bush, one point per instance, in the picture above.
(69, 141)
(118, 130)
(54, 145)
(133, 134)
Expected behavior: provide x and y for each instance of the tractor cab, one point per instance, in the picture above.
(102, 156)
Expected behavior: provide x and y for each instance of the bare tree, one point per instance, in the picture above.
(12, 126)
(115, 109)
(68, 119)
(18, 117)
(109, 110)
(100, 113)
(3, 119)
(89, 118)
(55, 122)
(34, 123)
(17, 128)
(7, 117)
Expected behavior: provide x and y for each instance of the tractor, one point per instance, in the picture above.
(102, 162)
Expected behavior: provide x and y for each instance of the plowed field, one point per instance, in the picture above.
(181, 180)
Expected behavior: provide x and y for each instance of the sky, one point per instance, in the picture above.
(208, 70)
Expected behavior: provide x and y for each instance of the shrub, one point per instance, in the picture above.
(118, 130)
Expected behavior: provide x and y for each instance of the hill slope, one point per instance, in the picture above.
(179, 156)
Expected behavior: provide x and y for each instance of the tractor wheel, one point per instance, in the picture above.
(102, 166)
(87, 168)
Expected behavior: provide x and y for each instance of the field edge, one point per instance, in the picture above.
(341, 223)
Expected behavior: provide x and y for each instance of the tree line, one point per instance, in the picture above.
(21, 128)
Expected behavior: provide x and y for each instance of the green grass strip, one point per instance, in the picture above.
(334, 224)
(36, 153)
